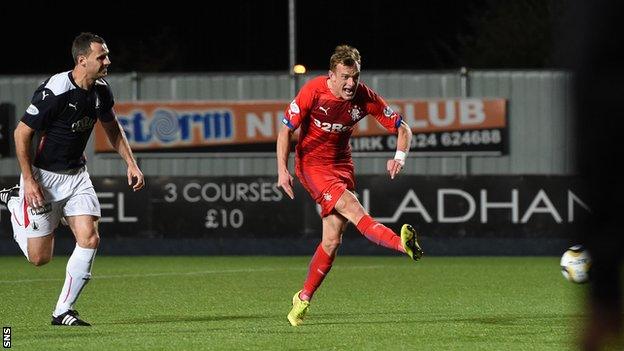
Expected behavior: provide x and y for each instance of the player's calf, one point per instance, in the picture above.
(379, 233)
(77, 275)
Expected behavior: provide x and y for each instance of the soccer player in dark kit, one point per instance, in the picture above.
(55, 185)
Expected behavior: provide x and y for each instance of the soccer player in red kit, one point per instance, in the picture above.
(327, 109)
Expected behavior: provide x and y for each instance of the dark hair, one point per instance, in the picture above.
(82, 44)
(346, 55)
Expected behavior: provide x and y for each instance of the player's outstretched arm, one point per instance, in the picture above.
(284, 179)
(404, 140)
(118, 140)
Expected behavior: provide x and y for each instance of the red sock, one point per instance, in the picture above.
(379, 233)
(320, 265)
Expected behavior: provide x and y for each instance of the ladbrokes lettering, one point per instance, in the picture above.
(468, 207)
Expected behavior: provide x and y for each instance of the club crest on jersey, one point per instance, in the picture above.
(294, 108)
(355, 112)
(388, 112)
(327, 196)
(83, 125)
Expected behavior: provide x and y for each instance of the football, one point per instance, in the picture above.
(575, 264)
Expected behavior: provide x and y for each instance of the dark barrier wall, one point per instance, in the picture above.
(7, 118)
(250, 215)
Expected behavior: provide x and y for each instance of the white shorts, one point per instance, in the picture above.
(66, 194)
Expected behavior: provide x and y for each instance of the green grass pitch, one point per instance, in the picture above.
(240, 303)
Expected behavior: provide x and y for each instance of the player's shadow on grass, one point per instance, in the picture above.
(512, 320)
(178, 318)
(490, 320)
(316, 320)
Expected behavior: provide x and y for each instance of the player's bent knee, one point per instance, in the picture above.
(39, 260)
(90, 242)
(331, 245)
(342, 206)
(350, 209)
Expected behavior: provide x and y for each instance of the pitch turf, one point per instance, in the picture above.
(366, 303)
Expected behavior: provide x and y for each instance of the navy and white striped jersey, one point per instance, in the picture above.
(64, 114)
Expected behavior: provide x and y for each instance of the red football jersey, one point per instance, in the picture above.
(327, 121)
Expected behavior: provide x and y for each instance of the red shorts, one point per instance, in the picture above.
(326, 183)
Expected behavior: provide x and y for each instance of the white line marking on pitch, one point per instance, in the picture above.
(164, 274)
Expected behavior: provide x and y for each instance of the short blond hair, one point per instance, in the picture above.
(346, 55)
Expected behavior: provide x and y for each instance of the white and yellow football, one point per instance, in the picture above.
(575, 264)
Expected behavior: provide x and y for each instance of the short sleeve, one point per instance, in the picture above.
(377, 107)
(43, 109)
(106, 101)
(300, 107)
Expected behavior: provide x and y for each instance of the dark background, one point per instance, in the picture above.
(237, 35)
(214, 218)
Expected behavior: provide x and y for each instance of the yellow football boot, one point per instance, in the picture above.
(298, 311)
(409, 239)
